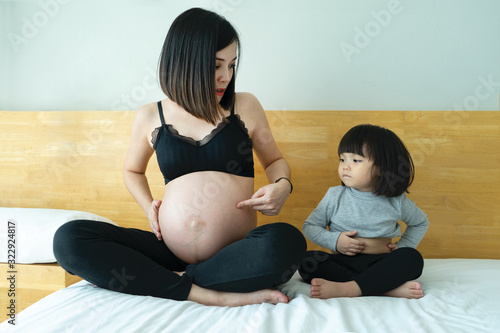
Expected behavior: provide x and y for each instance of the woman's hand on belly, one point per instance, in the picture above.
(153, 218)
(198, 216)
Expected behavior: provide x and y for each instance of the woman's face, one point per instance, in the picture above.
(225, 62)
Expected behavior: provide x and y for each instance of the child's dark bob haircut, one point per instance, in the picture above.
(187, 62)
(389, 154)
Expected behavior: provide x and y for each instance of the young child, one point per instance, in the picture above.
(358, 220)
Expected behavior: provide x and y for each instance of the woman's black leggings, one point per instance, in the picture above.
(375, 274)
(133, 261)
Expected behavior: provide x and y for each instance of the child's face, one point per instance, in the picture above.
(357, 172)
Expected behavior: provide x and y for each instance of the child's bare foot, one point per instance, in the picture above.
(219, 298)
(410, 289)
(321, 288)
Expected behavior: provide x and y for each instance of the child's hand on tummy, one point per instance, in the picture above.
(348, 245)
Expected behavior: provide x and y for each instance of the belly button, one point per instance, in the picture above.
(195, 224)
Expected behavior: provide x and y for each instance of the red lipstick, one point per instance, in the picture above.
(220, 92)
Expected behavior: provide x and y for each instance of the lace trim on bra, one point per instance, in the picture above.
(154, 137)
(198, 143)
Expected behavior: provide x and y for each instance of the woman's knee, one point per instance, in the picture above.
(65, 235)
(285, 237)
(280, 250)
(67, 239)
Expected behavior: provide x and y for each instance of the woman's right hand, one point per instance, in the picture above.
(153, 218)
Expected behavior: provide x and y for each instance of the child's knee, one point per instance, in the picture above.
(413, 258)
(413, 255)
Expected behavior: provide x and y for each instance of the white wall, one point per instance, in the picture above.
(297, 55)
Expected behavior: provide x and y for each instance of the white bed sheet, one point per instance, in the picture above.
(461, 295)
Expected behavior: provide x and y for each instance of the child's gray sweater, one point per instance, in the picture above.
(347, 209)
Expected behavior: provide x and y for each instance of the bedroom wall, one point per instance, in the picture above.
(297, 55)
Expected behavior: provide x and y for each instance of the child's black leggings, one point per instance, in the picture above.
(375, 274)
(135, 262)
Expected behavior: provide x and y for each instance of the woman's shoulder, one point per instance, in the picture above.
(148, 109)
(250, 111)
(245, 101)
(148, 113)
(244, 96)
(147, 119)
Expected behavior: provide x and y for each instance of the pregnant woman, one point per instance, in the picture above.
(205, 245)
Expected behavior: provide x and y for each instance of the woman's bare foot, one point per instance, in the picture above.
(321, 288)
(410, 289)
(219, 298)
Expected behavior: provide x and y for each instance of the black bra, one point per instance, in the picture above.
(228, 148)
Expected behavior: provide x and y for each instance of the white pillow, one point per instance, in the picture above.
(34, 232)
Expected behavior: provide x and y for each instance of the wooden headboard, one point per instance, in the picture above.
(73, 160)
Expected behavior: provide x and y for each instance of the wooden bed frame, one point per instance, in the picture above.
(73, 160)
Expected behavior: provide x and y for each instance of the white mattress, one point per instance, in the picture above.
(461, 295)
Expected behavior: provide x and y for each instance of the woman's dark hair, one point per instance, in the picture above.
(187, 62)
(388, 153)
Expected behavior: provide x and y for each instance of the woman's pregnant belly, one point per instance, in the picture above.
(198, 215)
